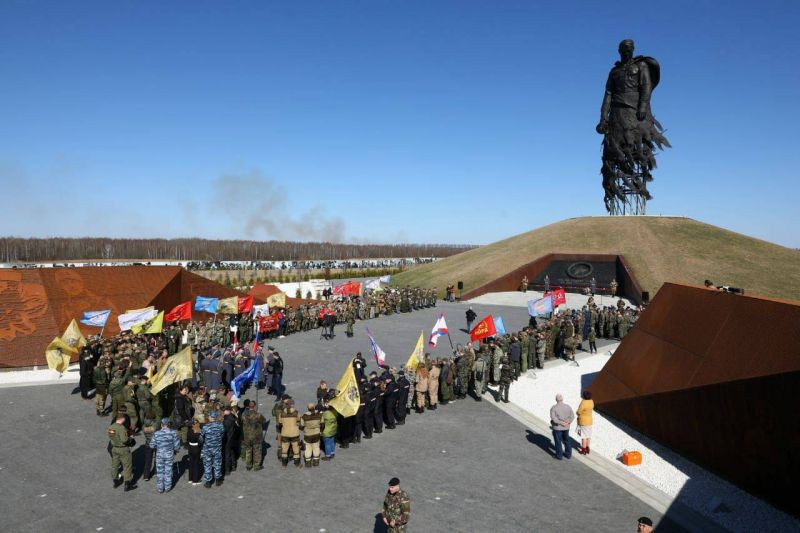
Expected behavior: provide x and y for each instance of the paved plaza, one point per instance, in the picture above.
(467, 466)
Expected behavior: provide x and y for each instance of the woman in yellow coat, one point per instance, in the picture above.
(584, 412)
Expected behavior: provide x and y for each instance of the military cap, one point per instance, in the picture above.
(286, 397)
(165, 421)
(645, 521)
(394, 482)
(212, 415)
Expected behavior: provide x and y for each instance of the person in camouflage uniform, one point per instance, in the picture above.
(115, 389)
(351, 319)
(480, 373)
(253, 436)
(462, 370)
(166, 443)
(311, 425)
(506, 377)
(211, 436)
(396, 507)
(102, 377)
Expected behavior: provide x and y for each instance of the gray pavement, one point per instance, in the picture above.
(466, 466)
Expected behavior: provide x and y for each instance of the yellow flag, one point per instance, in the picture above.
(73, 336)
(143, 309)
(277, 300)
(228, 306)
(58, 354)
(347, 400)
(154, 325)
(418, 355)
(175, 369)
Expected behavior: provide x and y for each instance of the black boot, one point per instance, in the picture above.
(117, 481)
(129, 485)
(207, 484)
(285, 462)
(219, 482)
(297, 462)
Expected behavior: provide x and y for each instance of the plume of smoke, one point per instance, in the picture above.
(258, 204)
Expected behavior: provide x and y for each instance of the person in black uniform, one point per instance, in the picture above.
(363, 394)
(277, 374)
(378, 392)
(182, 415)
(369, 423)
(359, 367)
(389, 401)
(86, 367)
(195, 451)
(230, 440)
(403, 388)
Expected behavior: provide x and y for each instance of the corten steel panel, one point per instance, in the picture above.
(26, 320)
(38, 304)
(740, 430)
(751, 343)
(726, 403)
(629, 287)
(668, 367)
(686, 317)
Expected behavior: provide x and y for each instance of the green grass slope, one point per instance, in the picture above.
(658, 249)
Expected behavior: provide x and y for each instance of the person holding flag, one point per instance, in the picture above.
(439, 329)
(380, 355)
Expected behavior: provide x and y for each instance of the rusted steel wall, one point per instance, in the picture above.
(628, 286)
(36, 305)
(714, 376)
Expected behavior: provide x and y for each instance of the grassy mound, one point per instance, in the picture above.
(658, 249)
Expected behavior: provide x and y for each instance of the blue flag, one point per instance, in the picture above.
(248, 376)
(498, 325)
(96, 318)
(209, 305)
(539, 307)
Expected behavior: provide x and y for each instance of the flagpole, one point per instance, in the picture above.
(451, 341)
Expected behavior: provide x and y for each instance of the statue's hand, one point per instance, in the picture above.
(640, 115)
(602, 126)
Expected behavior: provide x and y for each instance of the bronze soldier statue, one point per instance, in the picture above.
(631, 132)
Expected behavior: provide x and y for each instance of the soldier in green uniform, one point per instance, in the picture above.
(351, 320)
(121, 453)
(129, 393)
(252, 436)
(480, 373)
(396, 507)
(524, 344)
(115, 389)
(102, 377)
(541, 348)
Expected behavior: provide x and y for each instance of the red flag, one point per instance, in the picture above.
(484, 328)
(559, 297)
(349, 288)
(245, 304)
(180, 312)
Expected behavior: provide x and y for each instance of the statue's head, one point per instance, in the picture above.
(626, 49)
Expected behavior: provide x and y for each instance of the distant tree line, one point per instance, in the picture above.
(14, 249)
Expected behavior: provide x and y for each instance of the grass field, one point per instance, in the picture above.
(658, 249)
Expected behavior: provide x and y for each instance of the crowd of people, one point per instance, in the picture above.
(218, 430)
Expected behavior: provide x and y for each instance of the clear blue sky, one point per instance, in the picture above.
(387, 121)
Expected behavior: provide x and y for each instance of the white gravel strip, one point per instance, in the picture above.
(41, 376)
(706, 493)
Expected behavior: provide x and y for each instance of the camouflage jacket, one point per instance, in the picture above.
(396, 508)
